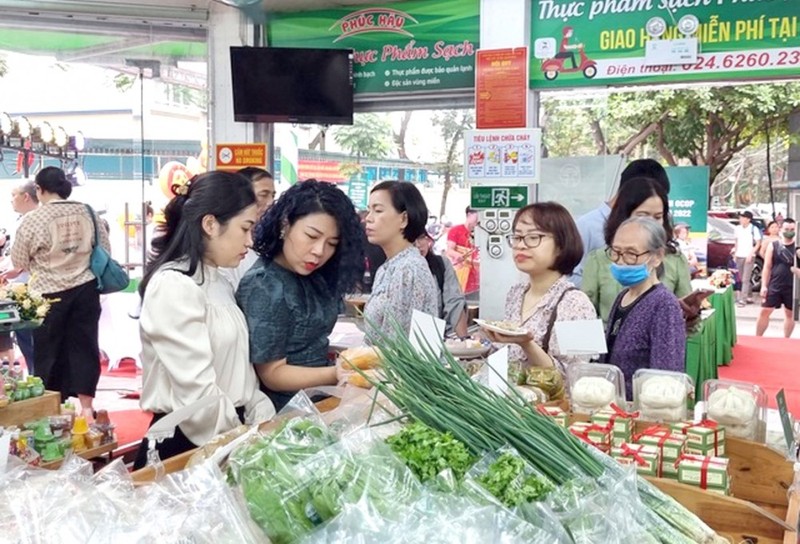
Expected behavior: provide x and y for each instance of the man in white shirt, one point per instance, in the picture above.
(745, 249)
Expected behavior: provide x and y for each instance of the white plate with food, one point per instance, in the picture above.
(502, 327)
(467, 348)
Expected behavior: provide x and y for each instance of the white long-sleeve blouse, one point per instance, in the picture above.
(195, 344)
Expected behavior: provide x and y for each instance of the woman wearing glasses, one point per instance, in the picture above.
(640, 197)
(547, 246)
(645, 324)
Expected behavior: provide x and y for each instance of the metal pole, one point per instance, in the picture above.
(141, 127)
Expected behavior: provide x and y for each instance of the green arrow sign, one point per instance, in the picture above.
(485, 197)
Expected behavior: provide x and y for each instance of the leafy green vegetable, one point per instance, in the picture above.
(265, 470)
(507, 481)
(427, 452)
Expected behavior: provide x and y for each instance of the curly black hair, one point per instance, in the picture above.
(345, 269)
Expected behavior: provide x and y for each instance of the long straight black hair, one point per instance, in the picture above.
(221, 194)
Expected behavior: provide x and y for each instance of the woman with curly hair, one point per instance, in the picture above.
(639, 197)
(311, 247)
(194, 336)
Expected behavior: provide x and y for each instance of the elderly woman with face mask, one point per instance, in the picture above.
(645, 325)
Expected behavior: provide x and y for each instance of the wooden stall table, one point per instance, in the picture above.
(701, 352)
(22, 411)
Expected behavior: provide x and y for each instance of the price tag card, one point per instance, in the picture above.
(426, 332)
(581, 337)
(498, 371)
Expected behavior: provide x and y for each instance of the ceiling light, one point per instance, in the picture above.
(6, 124)
(61, 138)
(656, 27)
(24, 127)
(46, 132)
(688, 25)
(77, 142)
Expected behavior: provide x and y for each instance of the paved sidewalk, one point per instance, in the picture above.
(746, 322)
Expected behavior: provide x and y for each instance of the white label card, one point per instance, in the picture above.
(498, 371)
(426, 332)
(581, 337)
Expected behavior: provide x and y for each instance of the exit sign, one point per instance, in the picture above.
(485, 197)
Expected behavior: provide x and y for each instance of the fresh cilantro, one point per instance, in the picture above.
(507, 481)
(428, 452)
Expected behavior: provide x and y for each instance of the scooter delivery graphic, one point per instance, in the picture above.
(566, 52)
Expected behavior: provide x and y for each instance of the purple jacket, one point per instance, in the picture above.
(653, 335)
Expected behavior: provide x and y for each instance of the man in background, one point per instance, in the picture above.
(777, 279)
(591, 225)
(23, 200)
(745, 248)
(463, 253)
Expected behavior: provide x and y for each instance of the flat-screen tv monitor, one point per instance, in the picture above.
(292, 85)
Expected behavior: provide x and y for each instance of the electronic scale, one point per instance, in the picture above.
(9, 312)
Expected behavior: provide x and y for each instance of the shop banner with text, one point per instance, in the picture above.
(602, 42)
(401, 47)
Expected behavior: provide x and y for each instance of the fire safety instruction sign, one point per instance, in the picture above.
(503, 155)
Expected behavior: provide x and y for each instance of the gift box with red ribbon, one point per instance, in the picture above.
(706, 438)
(704, 472)
(593, 434)
(555, 412)
(621, 423)
(646, 458)
(671, 445)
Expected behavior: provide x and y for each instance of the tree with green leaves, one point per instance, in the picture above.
(370, 135)
(452, 124)
(702, 126)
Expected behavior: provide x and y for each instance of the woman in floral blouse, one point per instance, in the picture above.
(397, 217)
(546, 246)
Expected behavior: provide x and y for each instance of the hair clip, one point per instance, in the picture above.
(181, 189)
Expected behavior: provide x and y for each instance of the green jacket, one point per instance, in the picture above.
(603, 289)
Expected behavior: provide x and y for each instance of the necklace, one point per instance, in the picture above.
(529, 303)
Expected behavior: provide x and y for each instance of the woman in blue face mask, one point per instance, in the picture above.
(639, 197)
(646, 328)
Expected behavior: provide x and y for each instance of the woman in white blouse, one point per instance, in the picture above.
(194, 337)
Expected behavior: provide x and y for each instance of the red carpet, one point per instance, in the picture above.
(771, 363)
(125, 369)
(130, 425)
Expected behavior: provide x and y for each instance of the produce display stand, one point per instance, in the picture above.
(761, 508)
(22, 411)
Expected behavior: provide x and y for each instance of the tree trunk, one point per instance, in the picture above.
(597, 134)
(400, 137)
(448, 179)
(627, 147)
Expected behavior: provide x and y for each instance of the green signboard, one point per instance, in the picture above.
(401, 47)
(486, 197)
(688, 196)
(358, 191)
(607, 39)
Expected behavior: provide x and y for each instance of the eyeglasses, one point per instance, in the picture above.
(628, 257)
(530, 241)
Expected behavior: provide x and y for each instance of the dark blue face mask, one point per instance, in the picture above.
(629, 274)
